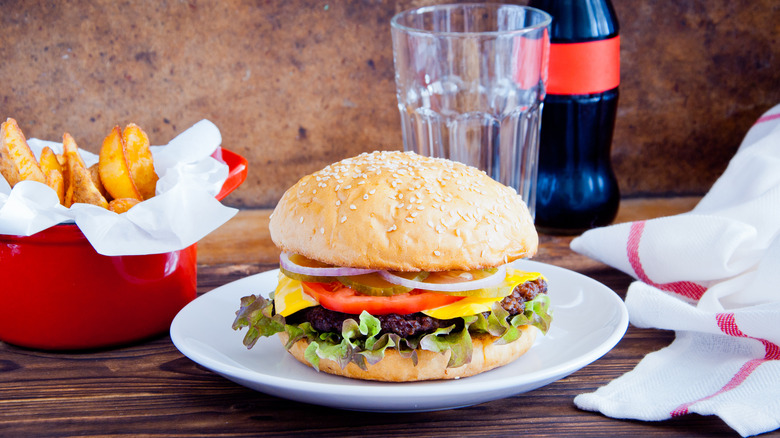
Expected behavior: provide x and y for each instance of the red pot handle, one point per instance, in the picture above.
(237, 166)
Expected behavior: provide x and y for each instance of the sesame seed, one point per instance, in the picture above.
(352, 207)
(408, 219)
(365, 197)
(322, 230)
(437, 253)
(343, 219)
(300, 221)
(372, 191)
(392, 228)
(338, 202)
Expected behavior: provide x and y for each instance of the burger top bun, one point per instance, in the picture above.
(405, 212)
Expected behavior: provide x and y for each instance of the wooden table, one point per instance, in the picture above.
(149, 388)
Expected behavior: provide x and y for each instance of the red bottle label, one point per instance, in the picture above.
(584, 68)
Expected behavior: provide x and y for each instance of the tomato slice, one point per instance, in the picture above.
(335, 296)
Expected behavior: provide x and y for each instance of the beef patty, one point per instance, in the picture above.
(324, 320)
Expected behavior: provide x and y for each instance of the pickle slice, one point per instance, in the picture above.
(513, 279)
(373, 284)
(307, 278)
(458, 276)
(307, 262)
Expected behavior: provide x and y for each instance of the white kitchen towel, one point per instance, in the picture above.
(713, 276)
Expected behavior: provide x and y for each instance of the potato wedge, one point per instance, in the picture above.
(48, 161)
(71, 150)
(17, 162)
(121, 205)
(113, 169)
(139, 160)
(94, 172)
(80, 188)
(50, 166)
(55, 180)
(63, 162)
(68, 145)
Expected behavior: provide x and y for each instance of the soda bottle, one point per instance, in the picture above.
(576, 186)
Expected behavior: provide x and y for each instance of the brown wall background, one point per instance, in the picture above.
(296, 84)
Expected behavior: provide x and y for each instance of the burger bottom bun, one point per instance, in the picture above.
(430, 366)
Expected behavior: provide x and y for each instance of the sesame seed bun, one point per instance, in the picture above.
(431, 366)
(404, 212)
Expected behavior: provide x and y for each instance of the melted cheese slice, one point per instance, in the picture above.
(290, 297)
(465, 307)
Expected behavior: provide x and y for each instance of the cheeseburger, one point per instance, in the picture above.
(396, 267)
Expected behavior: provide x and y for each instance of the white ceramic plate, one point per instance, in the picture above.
(588, 320)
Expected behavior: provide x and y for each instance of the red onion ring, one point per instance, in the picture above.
(286, 263)
(492, 280)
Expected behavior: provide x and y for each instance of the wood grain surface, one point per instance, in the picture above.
(295, 85)
(149, 388)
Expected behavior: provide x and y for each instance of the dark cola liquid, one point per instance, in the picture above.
(576, 186)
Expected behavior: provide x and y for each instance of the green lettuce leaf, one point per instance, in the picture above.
(458, 343)
(256, 313)
(361, 342)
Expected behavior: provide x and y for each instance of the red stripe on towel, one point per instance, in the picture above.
(728, 325)
(687, 289)
(768, 118)
(735, 381)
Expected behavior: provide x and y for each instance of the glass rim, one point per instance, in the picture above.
(394, 22)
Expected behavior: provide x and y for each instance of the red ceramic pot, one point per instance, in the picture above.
(58, 293)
